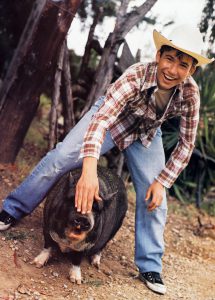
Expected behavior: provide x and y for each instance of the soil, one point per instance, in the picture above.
(188, 263)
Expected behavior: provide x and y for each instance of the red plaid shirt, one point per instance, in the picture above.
(129, 112)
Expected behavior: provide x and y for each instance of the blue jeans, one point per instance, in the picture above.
(144, 165)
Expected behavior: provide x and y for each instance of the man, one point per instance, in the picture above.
(130, 116)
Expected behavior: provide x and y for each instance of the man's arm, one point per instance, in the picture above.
(187, 134)
(180, 155)
(183, 150)
(120, 92)
(87, 188)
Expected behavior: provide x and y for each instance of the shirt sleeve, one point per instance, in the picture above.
(123, 89)
(184, 148)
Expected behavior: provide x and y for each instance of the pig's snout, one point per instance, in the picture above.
(79, 226)
(81, 223)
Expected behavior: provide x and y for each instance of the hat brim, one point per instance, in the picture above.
(160, 40)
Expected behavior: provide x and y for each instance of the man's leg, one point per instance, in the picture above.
(25, 198)
(144, 165)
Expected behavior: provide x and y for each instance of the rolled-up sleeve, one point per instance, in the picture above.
(186, 143)
(125, 88)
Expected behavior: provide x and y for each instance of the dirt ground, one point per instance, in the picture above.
(188, 263)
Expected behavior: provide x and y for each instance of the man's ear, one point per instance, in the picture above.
(158, 56)
(192, 70)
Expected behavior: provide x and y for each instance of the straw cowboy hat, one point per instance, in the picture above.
(186, 39)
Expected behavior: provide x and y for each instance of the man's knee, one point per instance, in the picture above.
(62, 159)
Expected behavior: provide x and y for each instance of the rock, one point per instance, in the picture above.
(23, 290)
(55, 274)
(108, 272)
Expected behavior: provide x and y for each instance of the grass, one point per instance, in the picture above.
(96, 283)
(15, 235)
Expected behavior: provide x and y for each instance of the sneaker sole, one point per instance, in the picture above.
(4, 226)
(156, 287)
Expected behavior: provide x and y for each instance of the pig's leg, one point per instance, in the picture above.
(41, 259)
(75, 274)
(75, 271)
(95, 259)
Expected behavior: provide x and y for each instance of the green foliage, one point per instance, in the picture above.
(94, 60)
(209, 207)
(200, 173)
(207, 24)
(88, 7)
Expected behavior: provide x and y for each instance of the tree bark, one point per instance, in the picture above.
(124, 23)
(56, 100)
(68, 107)
(88, 47)
(33, 61)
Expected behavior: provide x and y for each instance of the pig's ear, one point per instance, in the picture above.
(108, 197)
(71, 180)
(71, 193)
(71, 187)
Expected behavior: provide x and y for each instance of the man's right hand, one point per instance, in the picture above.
(87, 188)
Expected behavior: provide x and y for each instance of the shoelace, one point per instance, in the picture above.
(154, 277)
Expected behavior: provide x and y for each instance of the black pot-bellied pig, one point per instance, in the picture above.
(82, 235)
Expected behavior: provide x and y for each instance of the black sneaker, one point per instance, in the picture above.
(153, 281)
(6, 220)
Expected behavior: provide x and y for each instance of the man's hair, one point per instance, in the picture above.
(166, 48)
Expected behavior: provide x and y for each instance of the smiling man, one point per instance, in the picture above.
(129, 116)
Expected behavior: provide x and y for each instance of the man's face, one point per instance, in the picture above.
(173, 69)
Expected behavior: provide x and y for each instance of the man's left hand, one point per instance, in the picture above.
(156, 193)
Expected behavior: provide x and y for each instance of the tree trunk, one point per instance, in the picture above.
(67, 97)
(56, 99)
(124, 23)
(88, 47)
(33, 62)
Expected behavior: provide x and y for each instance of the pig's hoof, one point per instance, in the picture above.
(96, 259)
(41, 259)
(75, 274)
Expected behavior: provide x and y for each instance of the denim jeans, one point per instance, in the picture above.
(144, 165)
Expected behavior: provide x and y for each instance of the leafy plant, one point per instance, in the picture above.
(197, 179)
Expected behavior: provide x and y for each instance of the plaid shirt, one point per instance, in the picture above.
(129, 112)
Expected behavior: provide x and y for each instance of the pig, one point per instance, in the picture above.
(79, 234)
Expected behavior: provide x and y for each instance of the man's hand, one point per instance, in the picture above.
(87, 188)
(156, 192)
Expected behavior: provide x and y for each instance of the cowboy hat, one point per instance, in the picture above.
(186, 39)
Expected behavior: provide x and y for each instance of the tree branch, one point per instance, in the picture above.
(134, 17)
